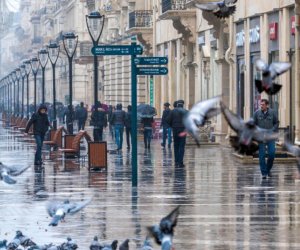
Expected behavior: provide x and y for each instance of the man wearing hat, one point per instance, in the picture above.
(165, 126)
(41, 124)
(175, 121)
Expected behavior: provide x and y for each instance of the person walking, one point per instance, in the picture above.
(167, 131)
(266, 118)
(118, 121)
(175, 121)
(147, 124)
(69, 118)
(41, 124)
(111, 109)
(99, 121)
(81, 115)
(128, 126)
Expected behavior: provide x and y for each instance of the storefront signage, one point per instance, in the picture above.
(293, 23)
(273, 30)
(240, 39)
(254, 34)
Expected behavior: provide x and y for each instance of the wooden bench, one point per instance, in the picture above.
(74, 140)
(23, 125)
(56, 137)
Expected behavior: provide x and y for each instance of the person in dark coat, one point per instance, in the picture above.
(69, 118)
(128, 125)
(41, 124)
(175, 121)
(118, 121)
(111, 109)
(147, 124)
(81, 115)
(99, 121)
(167, 131)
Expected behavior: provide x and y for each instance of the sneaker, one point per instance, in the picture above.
(264, 177)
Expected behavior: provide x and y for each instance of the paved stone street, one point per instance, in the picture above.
(224, 204)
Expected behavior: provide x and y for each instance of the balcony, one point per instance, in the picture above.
(184, 19)
(140, 24)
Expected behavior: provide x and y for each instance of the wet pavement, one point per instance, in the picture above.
(224, 204)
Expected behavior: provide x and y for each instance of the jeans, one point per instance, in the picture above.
(179, 145)
(167, 132)
(98, 133)
(147, 136)
(39, 139)
(81, 124)
(128, 134)
(265, 168)
(119, 129)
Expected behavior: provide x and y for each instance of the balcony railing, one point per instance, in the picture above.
(173, 5)
(140, 18)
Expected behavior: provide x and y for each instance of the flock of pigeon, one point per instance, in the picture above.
(162, 233)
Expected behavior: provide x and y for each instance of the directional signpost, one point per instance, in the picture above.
(133, 50)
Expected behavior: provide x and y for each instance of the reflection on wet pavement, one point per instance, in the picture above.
(225, 205)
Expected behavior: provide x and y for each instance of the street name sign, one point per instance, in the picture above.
(158, 60)
(119, 50)
(152, 71)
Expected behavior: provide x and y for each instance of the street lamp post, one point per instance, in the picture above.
(10, 83)
(14, 78)
(27, 69)
(23, 74)
(95, 24)
(70, 42)
(35, 68)
(43, 58)
(18, 76)
(53, 53)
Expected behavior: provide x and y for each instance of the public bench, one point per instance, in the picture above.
(56, 137)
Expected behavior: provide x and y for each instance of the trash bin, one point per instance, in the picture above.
(97, 153)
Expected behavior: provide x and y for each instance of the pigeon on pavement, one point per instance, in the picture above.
(164, 232)
(7, 171)
(221, 9)
(199, 114)
(269, 73)
(69, 245)
(95, 245)
(113, 246)
(147, 245)
(3, 245)
(247, 132)
(44, 247)
(58, 210)
(124, 245)
(20, 239)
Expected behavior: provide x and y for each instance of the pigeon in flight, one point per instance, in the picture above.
(58, 210)
(221, 9)
(164, 232)
(147, 245)
(95, 245)
(199, 114)
(113, 246)
(246, 131)
(269, 73)
(20, 239)
(124, 245)
(7, 171)
(294, 150)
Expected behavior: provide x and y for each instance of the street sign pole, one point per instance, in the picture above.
(134, 152)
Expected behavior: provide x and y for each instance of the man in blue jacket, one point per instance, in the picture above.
(266, 118)
(41, 124)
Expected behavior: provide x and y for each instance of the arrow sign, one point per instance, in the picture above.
(151, 60)
(152, 71)
(121, 50)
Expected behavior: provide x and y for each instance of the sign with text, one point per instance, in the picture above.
(152, 71)
(273, 31)
(120, 50)
(151, 60)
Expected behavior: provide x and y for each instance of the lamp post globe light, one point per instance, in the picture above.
(18, 76)
(70, 42)
(14, 78)
(23, 74)
(95, 24)
(53, 53)
(35, 68)
(43, 58)
(27, 70)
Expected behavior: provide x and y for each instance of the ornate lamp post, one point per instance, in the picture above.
(23, 74)
(35, 68)
(43, 58)
(27, 70)
(53, 53)
(70, 42)
(95, 24)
